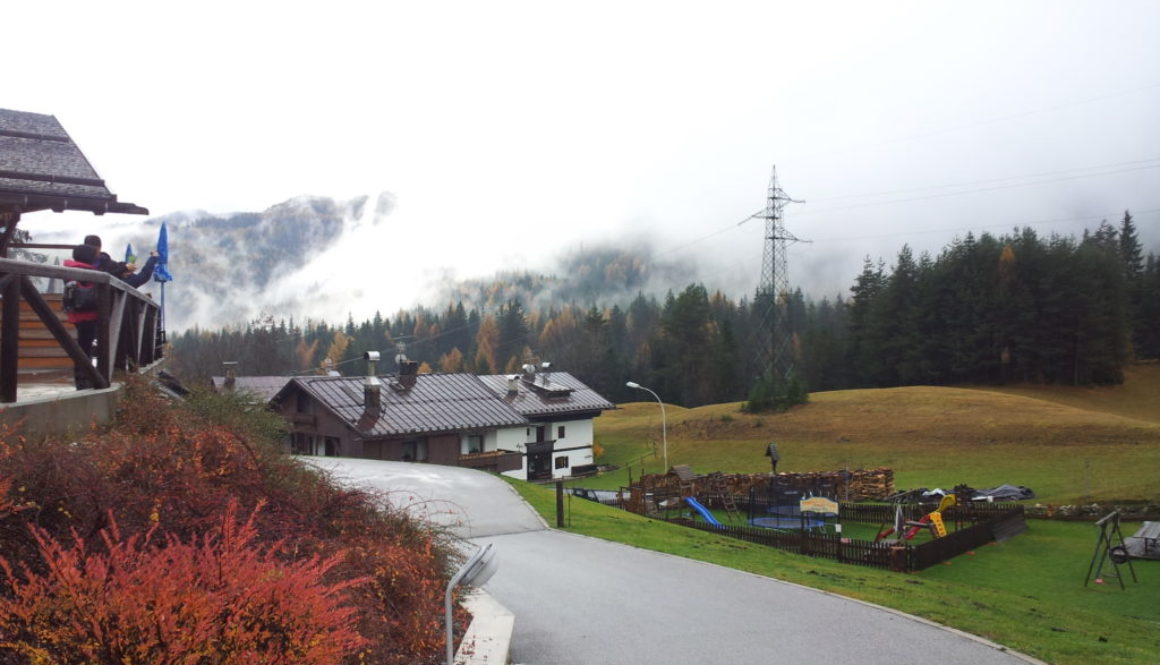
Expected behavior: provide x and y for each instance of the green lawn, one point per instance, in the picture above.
(1027, 593)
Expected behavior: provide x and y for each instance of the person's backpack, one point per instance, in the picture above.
(78, 297)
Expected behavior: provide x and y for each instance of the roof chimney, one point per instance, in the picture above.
(407, 372)
(513, 384)
(372, 399)
(231, 374)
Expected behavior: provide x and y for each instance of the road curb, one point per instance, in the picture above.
(488, 639)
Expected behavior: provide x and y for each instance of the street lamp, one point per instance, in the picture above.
(664, 425)
(475, 572)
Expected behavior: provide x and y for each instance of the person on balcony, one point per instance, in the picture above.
(85, 320)
(126, 272)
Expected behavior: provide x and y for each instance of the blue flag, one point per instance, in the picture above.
(161, 270)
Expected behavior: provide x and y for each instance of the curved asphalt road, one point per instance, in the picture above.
(579, 600)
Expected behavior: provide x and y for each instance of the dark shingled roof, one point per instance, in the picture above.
(434, 403)
(42, 169)
(262, 387)
(562, 394)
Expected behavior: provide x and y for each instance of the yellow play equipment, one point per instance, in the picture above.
(933, 519)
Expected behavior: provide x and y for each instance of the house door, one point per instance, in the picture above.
(540, 461)
(540, 466)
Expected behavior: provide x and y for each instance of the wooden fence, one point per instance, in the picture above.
(963, 540)
(129, 327)
(883, 513)
(826, 545)
(888, 554)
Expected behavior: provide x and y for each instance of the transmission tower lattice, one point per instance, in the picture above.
(773, 295)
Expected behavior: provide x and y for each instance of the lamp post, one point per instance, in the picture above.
(664, 424)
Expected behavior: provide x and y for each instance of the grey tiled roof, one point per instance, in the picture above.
(262, 387)
(570, 396)
(435, 403)
(41, 168)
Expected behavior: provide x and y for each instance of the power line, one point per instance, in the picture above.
(1134, 166)
(979, 190)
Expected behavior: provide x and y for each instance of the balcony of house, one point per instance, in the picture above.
(40, 357)
(495, 461)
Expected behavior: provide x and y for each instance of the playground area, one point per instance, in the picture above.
(853, 516)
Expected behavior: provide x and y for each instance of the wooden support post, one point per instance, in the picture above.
(105, 345)
(9, 220)
(9, 337)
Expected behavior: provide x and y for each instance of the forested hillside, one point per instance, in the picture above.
(986, 309)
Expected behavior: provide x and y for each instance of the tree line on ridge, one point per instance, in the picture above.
(986, 310)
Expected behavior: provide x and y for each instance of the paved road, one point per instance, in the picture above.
(471, 503)
(579, 600)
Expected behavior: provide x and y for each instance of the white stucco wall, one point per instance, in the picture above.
(577, 434)
(510, 438)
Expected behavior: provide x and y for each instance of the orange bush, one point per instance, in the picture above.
(219, 599)
(168, 473)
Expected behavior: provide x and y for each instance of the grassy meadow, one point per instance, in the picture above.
(1071, 445)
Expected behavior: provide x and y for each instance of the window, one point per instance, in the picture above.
(302, 401)
(560, 432)
(414, 451)
(474, 443)
(562, 462)
(301, 444)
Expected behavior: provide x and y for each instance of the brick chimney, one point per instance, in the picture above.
(408, 370)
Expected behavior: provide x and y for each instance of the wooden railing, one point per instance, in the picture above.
(129, 333)
(496, 461)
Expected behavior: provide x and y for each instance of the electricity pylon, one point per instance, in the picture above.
(773, 295)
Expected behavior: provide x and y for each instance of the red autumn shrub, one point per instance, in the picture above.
(219, 599)
(177, 467)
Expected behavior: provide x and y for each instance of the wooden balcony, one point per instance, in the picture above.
(496, 461)
(36, 344)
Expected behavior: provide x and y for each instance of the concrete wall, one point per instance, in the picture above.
(69, 411)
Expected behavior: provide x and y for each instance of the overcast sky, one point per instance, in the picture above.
(511, 131)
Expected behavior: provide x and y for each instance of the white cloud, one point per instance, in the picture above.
(510, 127)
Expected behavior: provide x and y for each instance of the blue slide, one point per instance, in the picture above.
(696, 505)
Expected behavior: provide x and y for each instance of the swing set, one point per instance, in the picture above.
(1110, 547)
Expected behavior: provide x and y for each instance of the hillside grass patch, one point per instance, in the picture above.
(1026, 594)
(930, 436)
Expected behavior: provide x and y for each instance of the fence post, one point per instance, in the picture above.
(560, 504)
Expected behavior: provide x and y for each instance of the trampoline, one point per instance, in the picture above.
(782, 522)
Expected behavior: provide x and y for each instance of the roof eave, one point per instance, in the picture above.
(36, 202)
